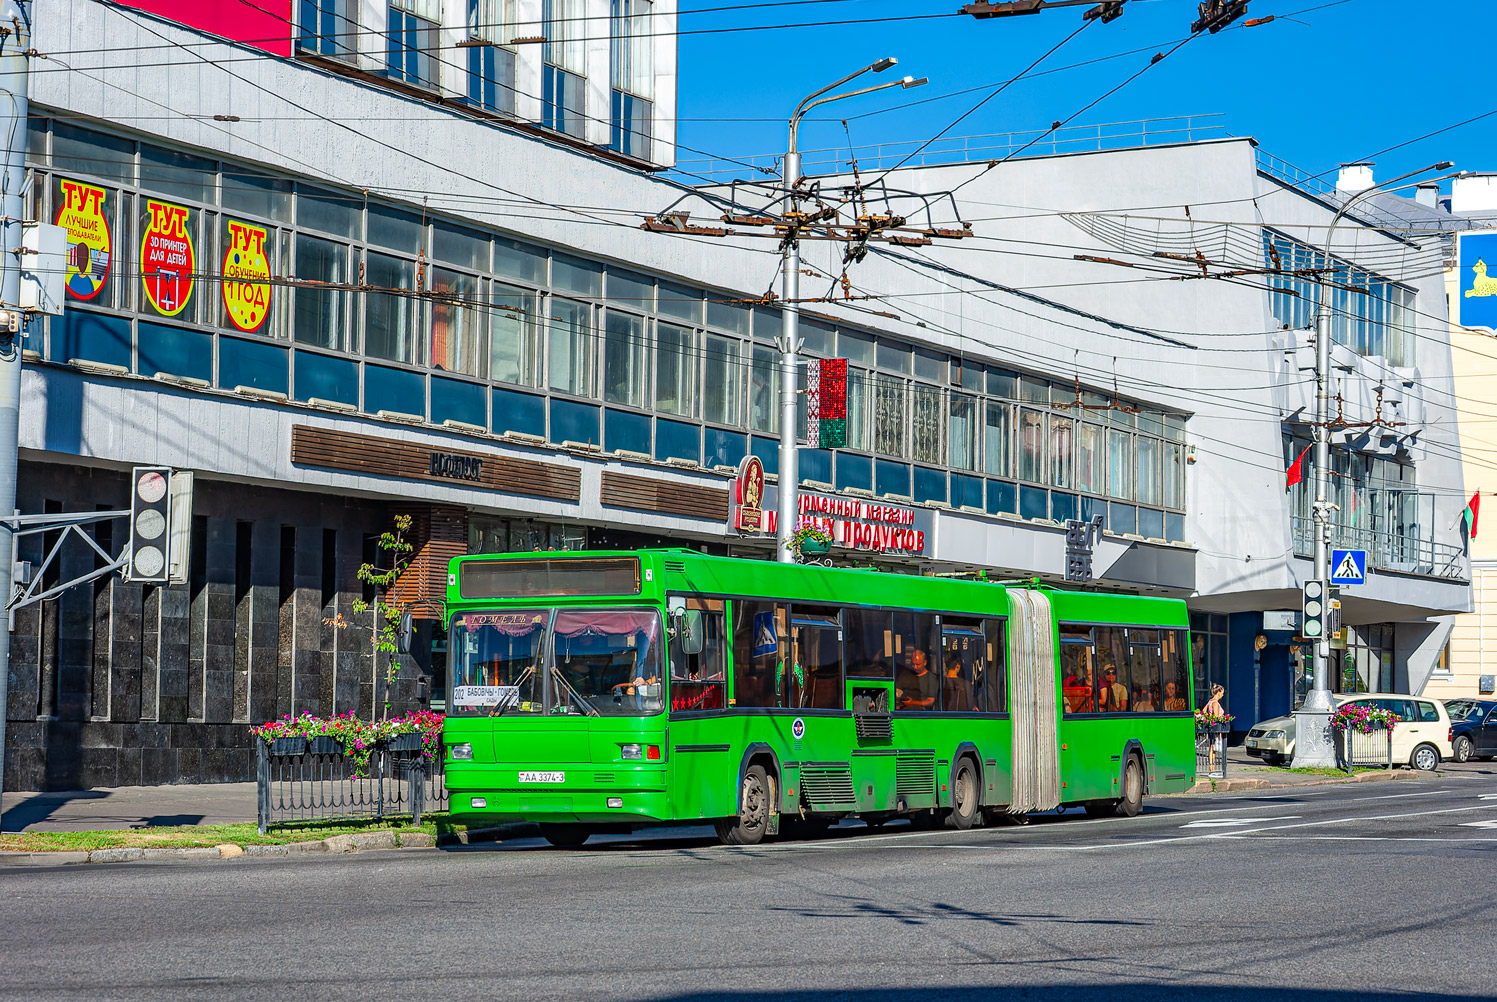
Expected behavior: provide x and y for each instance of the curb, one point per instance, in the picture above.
(1238, 785)
(360, 842)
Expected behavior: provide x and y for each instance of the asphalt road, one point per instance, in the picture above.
(1373, 892)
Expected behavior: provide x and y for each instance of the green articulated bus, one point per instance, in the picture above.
(607, 691)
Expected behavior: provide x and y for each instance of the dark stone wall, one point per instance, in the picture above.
(116, 684)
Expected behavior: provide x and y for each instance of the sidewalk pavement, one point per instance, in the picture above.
(229, 803)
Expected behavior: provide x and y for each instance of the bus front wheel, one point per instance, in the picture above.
(755, 804)
(565, 836)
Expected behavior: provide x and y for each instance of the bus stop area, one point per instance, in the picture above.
(230, 803)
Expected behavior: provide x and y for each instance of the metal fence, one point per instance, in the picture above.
(1371, 750)
(1211, 753)
(314, 786)
(1405, 551)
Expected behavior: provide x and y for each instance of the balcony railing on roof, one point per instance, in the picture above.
(970, 149)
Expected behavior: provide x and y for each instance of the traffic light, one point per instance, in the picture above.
(1312, 625)
(150, 516)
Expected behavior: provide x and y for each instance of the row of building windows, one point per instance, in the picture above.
(1369, 314)
(413, 54)
(388, 311)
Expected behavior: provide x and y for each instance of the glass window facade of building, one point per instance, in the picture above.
(392, 311)
(1369, 314)
(564, 66)
(491, 64)
(413, 45)
(633, 75)
(328, 28)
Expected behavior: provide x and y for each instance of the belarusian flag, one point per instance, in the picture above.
(826, 397)
(1296, 471)
(1468, 517)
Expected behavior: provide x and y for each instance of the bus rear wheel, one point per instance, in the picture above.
(755, 804)
(964, 806)
(565, 836)
(1132, 800)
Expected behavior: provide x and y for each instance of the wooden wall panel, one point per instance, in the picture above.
(622, 490)
(383, 457)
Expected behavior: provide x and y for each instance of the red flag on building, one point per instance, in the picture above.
(1473, 509)
(1296, 471)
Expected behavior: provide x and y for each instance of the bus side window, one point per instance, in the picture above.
(758, 640)
(992, 689)
(1176, 692)
(869, 642)
(963, 664)
(699, 680)
(1077, 670)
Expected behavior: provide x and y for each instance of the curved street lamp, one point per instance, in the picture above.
(789, 472)
(1312, 746)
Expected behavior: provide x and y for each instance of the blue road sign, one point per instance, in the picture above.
(1348, 567)
(1476, 298)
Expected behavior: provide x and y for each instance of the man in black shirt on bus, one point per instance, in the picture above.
(919, 687)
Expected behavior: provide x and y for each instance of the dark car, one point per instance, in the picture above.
(1473, 728)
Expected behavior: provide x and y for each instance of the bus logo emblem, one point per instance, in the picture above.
(798, 729)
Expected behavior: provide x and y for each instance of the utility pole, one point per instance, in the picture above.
(15, 40)
(1312, 742)
(789, 474)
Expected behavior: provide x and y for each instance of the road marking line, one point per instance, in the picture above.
(1479, 824)
(1233, 822)
(1399, 796)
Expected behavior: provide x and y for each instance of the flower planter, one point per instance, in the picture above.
(411, 741)
(325, 745)
(288, 747)
(815, 547)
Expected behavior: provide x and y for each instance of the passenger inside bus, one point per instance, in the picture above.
(956, 691)
(918, 688)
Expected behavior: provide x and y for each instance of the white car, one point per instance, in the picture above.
(1421, 737)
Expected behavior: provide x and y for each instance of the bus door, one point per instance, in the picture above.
(700, 761)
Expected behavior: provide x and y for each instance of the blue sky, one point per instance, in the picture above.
(1315, 88)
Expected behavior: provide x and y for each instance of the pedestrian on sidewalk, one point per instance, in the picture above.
(1214, 707)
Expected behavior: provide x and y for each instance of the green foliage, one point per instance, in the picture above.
(386, 612)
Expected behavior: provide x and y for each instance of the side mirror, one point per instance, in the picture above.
(405, 634)
(693, 634)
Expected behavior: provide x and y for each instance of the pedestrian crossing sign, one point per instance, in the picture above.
(1348, 567)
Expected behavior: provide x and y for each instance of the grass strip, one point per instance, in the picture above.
(207, 836)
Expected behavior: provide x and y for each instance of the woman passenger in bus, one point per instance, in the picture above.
(1142, 702)
(1173, 703)
(1112, 695)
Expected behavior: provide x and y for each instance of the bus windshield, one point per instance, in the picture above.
(590, 662)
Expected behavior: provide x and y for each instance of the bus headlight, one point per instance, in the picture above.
(462, 752)
(630, 752)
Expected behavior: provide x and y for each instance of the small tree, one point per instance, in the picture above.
(387, 613)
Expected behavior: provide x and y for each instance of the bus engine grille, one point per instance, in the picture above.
(828, 788)
(914, 777)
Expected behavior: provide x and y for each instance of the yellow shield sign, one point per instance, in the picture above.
(246, 276)
(82, 214)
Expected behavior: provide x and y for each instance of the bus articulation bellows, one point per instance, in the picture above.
(606, 691)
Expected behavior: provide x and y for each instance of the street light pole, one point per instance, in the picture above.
(789, 342)
(14, 71)
(1312, 745)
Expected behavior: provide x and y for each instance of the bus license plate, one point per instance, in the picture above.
(543, 777)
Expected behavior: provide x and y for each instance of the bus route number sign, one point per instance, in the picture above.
(486, 695)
